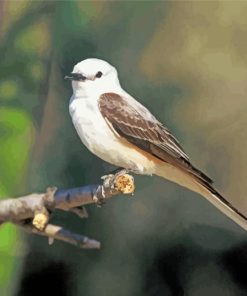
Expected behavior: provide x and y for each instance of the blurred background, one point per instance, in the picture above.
(187, 62)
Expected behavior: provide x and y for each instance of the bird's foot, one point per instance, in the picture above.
(114, 172)
(120, 171)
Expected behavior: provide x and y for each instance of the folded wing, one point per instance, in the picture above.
(138, 126)
(142, 129)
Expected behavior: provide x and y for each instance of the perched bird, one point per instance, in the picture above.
(121, 131)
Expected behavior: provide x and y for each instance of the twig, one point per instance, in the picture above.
(59, 233)
(32, 212)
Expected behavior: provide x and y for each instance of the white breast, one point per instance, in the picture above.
(97, 136)
(89, 123)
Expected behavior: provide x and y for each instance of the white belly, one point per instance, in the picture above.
(97, 136)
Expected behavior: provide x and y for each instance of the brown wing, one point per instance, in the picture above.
(136, 124)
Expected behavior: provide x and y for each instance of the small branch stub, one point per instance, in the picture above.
(40, 219)
(120, 183)
(125, 184)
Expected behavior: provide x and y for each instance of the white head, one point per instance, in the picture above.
(93, 76)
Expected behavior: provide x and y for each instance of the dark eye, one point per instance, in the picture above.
(99, 74)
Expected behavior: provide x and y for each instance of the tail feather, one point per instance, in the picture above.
(225, 206)
(205, 189)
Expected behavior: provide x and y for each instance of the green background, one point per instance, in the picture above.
(187, 62)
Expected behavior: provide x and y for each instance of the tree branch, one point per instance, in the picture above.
(32, 212)
(59, 233)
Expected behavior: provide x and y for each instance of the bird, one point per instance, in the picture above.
(116, 127)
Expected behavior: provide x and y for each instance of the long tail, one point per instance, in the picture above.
(205, 189)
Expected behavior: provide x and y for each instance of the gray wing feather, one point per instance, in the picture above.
(136, 124)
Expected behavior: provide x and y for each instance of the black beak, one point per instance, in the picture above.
(75, 76)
